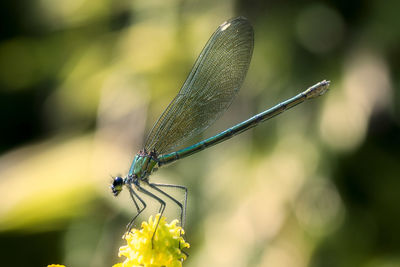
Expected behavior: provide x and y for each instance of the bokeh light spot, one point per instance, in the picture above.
(319, 28)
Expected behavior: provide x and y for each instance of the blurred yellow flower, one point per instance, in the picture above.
(55, 265)
(165, 250)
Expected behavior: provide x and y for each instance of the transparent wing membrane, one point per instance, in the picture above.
(210, 88)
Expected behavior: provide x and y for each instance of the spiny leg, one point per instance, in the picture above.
(133, 195)
(161, 210)
(182, 207)
(139, 211)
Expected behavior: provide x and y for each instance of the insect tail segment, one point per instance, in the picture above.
(317, 89)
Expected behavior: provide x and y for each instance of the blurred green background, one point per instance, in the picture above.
(81, 82)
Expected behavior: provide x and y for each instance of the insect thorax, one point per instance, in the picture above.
(143, 165)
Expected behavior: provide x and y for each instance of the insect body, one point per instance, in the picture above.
(210, 88)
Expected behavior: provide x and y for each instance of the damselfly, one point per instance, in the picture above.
(214, 81)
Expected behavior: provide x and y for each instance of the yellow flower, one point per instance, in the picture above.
(55, 265)
(163, 250)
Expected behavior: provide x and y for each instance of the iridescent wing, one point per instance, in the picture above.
(210, 88)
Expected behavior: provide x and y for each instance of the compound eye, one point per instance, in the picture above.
(116, 186)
